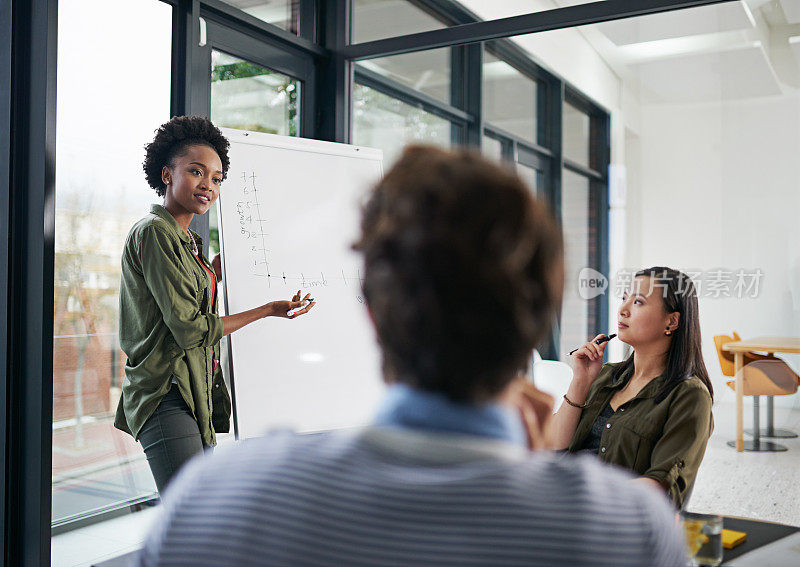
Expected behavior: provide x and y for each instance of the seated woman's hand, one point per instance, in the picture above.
(535, 409)
(587, 361)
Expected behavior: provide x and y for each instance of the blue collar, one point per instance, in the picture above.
(411, 408)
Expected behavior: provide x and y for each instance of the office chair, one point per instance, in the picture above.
(762, 376)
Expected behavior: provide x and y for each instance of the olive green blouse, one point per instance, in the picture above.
(664, 441)
(168, 326)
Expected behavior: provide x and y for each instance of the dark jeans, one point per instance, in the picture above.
(170, 437)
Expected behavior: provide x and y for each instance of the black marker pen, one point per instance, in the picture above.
(599, 341)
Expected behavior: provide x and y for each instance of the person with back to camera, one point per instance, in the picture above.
(652, 412)
(462, 274)
(174, 399)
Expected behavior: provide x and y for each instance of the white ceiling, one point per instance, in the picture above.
(705, 20)
(725, 51)
(730, 75)
(791, 8)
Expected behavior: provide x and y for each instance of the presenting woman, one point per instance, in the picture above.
(174, 399)
(651, 413)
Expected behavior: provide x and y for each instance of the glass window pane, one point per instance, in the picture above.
(492, 148)
(381, 121)
(425, 71)
(281, 13)
(576, 134)
(246, 96)
(575, 311)
(102, 124)
(509, 98)
(531, 176)
(379, 19)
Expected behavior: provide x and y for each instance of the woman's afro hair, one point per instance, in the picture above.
(172, 139)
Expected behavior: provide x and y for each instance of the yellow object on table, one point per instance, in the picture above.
(732, 538)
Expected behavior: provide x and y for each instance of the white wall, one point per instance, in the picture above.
(720, 188)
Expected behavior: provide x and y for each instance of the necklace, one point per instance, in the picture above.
(194, 244)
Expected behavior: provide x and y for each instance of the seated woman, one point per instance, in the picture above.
(652, 412)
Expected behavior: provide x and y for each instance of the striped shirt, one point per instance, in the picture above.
(399, 497)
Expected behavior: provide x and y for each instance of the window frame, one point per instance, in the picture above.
(28, 33)
(241, 35)
(597, 175)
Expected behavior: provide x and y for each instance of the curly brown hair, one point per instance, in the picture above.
(463, 272)
(171, 140)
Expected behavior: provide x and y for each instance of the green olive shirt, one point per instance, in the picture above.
(664, 441)
(168, 327)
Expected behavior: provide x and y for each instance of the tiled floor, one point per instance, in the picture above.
(755, 485)
(764, 486)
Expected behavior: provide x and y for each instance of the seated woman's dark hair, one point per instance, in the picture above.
(685, 356)
(172, 139)
(463, 272)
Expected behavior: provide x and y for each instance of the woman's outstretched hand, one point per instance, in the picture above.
(231, 323)
(587, 360)
(283, 308)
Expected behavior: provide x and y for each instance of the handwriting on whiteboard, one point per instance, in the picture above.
(253, 229)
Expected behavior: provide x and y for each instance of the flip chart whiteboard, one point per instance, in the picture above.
(289, 212)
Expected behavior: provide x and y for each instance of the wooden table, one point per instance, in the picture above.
(761, 344)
